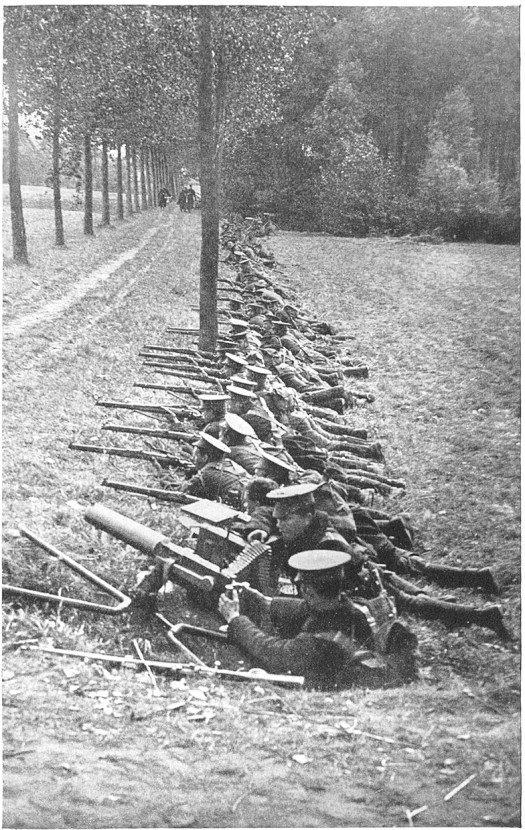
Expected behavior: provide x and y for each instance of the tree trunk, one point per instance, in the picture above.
(120, 196)
(209, 265)
(15, 191)
(88, 187)
(105, 186)
(154, 171)
(57, 201)
(136, 202)
(129, 202)
(151, 200)
(143, 192)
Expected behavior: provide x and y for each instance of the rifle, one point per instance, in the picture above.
(180, 669)
(175, 496)
(169, 357)
(196, 353)
(179, 390)
(208, 380)
(164, 459)
(184, 566)
(168, 434)
(150, 407)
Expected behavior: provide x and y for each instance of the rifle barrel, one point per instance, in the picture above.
(169, 434)
(153, 492)
(121, 452)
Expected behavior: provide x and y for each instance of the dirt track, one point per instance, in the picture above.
(77, 754)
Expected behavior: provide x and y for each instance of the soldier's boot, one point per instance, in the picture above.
(450, 577)
(356, 371)
(324, 396)
(399, 530)
(450, 613)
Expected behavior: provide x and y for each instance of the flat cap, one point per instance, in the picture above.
(206, 440)
(239, 425)
(318, 560)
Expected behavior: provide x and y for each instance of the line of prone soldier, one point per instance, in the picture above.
(272, 440)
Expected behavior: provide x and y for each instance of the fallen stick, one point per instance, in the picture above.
(459, 787)
(410, 814)
(258, 676)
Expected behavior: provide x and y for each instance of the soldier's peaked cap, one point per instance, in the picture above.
(274, 459)
(258, 370)
(212, 398)
(238, 390)
(317, 561)
(236, 322)
(236, 358)
(205, 441)
(294, 491)
(238, 380)
(270, 296)
(238, 424)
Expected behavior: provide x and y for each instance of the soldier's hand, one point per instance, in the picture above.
(257, 536)
(229, 605)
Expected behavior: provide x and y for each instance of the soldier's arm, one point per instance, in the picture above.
(194, 487)
(317, 659)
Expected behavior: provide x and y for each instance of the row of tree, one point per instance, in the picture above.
(153, 83)
(352, 120)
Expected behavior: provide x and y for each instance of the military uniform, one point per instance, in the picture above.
(246, 457)
(352, 643)
(222, 480)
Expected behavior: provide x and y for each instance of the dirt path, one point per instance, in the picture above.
(87, 747)
(56, 307)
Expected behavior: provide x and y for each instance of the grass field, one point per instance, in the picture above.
(439, 328)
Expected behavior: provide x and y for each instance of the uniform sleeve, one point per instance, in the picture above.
(194, 487)
(260, 519)
(318, 660)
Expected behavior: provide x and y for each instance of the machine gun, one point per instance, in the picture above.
(124, 605)
(181, 564)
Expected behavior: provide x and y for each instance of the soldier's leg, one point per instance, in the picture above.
(451, 577)
(402, 563)
(421, 605)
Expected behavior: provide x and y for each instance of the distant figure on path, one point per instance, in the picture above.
(182, 201)
(191, 198)
(164, 197)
